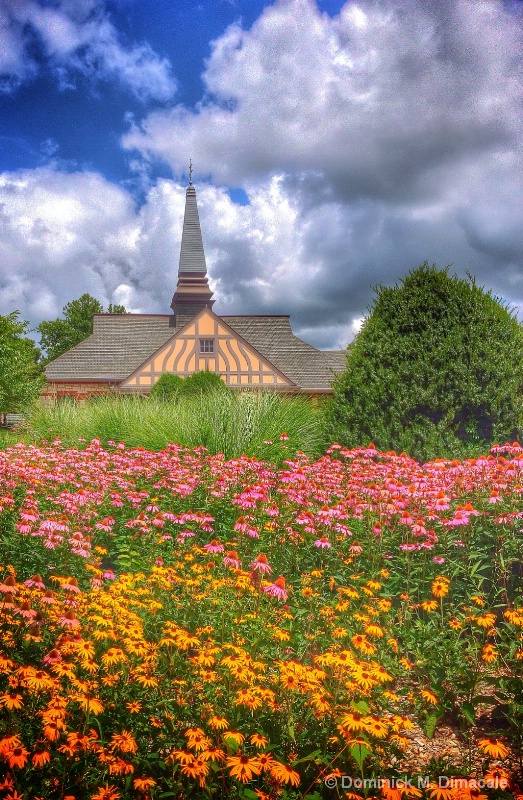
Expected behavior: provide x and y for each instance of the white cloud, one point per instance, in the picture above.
(63, 234)
(378, 100)
(77, 36)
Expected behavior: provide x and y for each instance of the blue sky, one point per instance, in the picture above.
(336, 146)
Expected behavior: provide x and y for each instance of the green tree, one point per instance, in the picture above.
(59, 335)
(435, 370)
(167, 386)
(20, 376)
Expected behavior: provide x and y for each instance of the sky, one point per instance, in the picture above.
(336, 146)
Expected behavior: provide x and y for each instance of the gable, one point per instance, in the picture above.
(236, 361)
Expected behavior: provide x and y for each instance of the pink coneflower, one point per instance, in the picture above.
(8, 601)
(53, 657)
(284, 437)
(70, 585)
(9, 585)
(23, 527)
(109, 575)
(35, 582)
(260, 564)
(25, 611)
(438, 560)
(105, 524)
(69, 620)
(323, 542)
(48, 598)
(356, 548)
(214, 547)
(277, 589)
(231, 560)
(377, 529)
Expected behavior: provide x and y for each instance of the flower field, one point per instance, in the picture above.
(179, 625)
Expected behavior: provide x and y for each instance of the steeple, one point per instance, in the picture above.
(192, 292)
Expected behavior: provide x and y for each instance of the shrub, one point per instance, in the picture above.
(435, 370)
(202, 383)
(167, 386)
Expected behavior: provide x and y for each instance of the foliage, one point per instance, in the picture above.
(174, 624)
(59, 335)
(228, 422)
(435, 370)
(203, 382)
(167, 386)
(20, 375)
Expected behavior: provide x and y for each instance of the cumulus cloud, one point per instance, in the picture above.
(63, 234)
(366, 143)
(378, 99)
(395, 128)
(76, 37)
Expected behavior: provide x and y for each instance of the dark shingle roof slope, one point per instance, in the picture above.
(120, 343)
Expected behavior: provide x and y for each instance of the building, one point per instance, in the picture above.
(129, 352)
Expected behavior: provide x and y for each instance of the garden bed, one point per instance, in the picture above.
(176, 624)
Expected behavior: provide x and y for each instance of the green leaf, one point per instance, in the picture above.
(469, 712)
(359, 752)
(431, 721)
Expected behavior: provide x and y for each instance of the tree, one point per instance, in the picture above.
(436, 369)
(167, 386)
(59, 335)
(20, 376)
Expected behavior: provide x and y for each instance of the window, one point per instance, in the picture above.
(206, 345)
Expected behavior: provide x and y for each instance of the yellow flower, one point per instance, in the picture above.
(493, 748)
(430, 697)
(243, 767)
(429, 605)
(258, 740)
(440, 588)
(489, 653)
(486, 620)
(284, 774)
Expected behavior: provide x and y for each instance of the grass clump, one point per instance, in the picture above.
(231, 423)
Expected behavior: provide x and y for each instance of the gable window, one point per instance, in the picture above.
(206, 345)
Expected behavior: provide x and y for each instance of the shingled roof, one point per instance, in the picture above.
(120, 343)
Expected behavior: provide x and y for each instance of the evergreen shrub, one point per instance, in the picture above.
(436, 370)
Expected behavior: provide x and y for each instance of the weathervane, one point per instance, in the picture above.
(190, 172)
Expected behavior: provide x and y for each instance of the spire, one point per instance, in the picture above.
(192, 292)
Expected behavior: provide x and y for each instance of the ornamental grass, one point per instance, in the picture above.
(228, 422)
(180, 624)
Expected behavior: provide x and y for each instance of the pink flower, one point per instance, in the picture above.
(323, 542)
(438, 560)
(277, 589)
(231, 560)
(356, 548)
(68, 620)
(35, 582)
(284, 437)
(260, 564)
(214, 547)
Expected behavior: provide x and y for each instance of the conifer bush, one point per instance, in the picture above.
(436, 370)
(167, 386)
(203, 382)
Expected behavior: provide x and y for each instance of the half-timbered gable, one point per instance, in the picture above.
(208, 343)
